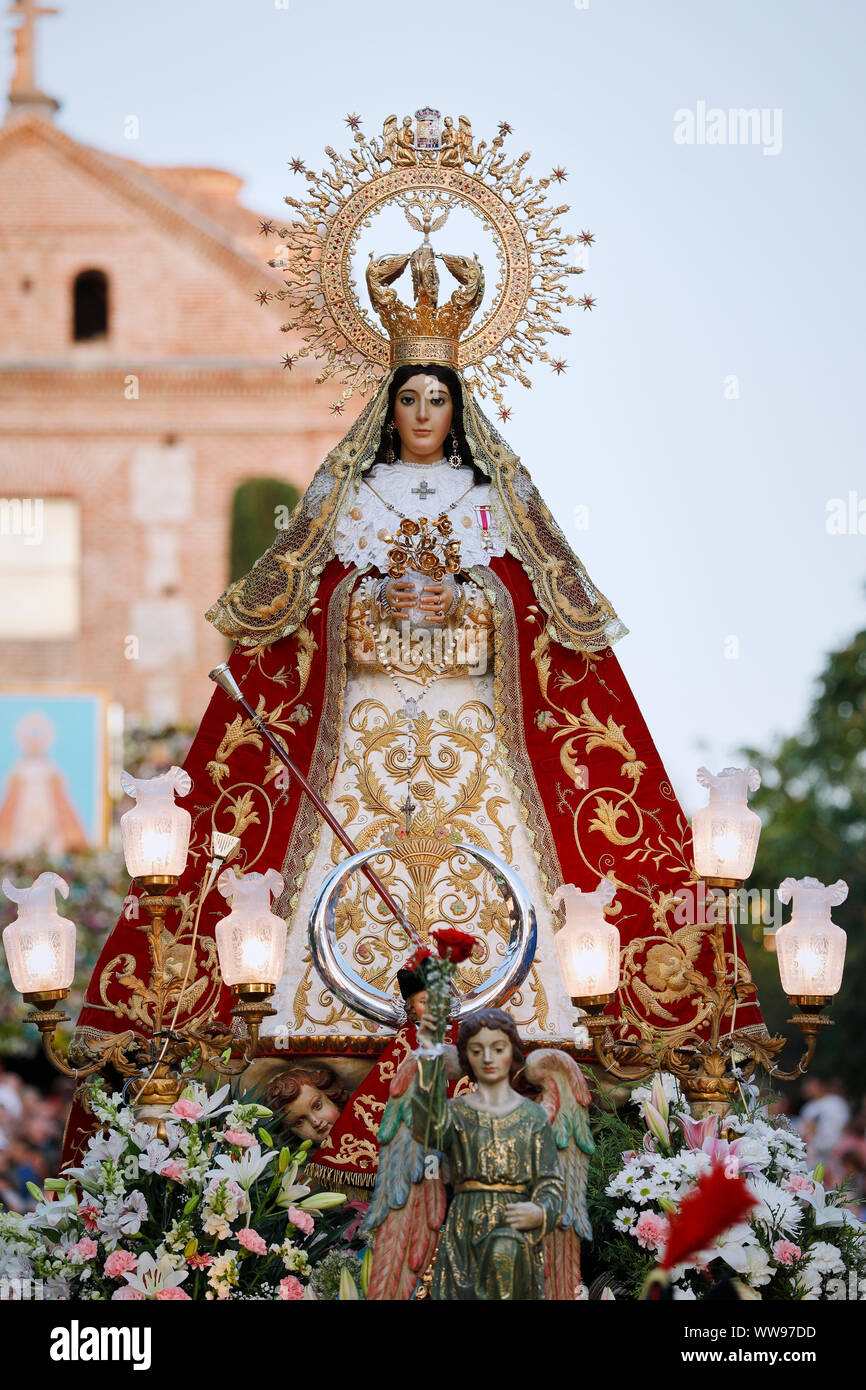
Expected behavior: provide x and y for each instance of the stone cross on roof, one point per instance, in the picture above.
(24, 95)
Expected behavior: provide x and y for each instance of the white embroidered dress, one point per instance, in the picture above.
(447, 757)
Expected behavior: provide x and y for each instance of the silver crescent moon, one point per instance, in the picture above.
(374, 1003)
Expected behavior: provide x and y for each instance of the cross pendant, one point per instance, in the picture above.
(424, 491)
(407, 808)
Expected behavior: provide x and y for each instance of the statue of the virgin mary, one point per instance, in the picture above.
(429, 647)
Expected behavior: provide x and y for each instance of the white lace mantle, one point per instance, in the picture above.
(364, 521)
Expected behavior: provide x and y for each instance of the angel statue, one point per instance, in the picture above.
(438, 663)
(518, 1170)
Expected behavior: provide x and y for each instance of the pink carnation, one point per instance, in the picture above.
(251, 1240)
(239, 1137)
(797, 1182)
(173, 1295)
(173, 1170)
(291, 1288)
(187, 1109)
(119, 1263)
(785, 1252)
(84, 1250)
(126, 1294)
(650, 1231)
(199, 1261)
(302, 1219)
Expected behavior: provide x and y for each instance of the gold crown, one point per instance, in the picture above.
(426, 333)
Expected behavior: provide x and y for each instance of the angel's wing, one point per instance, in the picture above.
(565, 1097)
(408, 1206)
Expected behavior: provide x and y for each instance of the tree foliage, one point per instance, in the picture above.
(257, 506)
(813, 806)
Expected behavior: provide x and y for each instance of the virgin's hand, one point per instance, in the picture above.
(523, 1216)
(436, 600)
(401, 595)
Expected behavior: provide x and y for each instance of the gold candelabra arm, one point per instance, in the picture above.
(212, 1047)
(94, 1056)
(626, 1061)
(810, 1020)
(251, 1009)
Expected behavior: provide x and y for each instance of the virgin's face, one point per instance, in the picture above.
(422, 416)
(313, 1115)
(489, 1054)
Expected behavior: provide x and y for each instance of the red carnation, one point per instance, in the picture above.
(453, 944)
(414, 963)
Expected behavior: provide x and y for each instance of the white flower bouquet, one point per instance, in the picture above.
(212, 1211)
(799, 1242)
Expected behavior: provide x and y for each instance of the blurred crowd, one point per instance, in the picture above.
(31, 1135)
(833, 1125)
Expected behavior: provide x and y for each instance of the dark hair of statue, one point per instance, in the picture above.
(284, 1090)
(497, 1020)
(449, 378)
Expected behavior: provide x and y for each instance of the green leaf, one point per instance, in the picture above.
(366, 1269)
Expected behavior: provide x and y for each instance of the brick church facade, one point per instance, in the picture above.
(140, 385)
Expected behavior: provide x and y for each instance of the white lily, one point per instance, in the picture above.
(828, 1215)
(290, 1191)
(101, 1150)
(52, 1216)
(322, 1201)
(152, 1276)
(245, 1169)
(210, 1104)
(152, 1157)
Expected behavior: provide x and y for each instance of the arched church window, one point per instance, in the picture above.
(90, 306)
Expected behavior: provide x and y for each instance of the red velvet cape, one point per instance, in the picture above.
(606, 799)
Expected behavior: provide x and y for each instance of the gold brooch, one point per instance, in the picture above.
(415, 548)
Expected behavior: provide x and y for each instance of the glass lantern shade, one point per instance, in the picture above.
(155, 833)
(39, 944)
(811, 948)
(251, 940)
(725, 831)
(587, 946)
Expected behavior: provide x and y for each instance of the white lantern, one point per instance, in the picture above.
(725, 831)
(587, 946)
(251, 940)
(155, 833)
(40, 944)
(811, 948)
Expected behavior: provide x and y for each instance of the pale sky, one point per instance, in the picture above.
(707, 508)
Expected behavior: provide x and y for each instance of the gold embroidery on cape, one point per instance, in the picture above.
(304, 838)
(508, 706)
(655, 966)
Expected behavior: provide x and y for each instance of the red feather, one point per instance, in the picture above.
(713, 1205)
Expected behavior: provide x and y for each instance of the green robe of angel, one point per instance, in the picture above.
(479, 1256)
